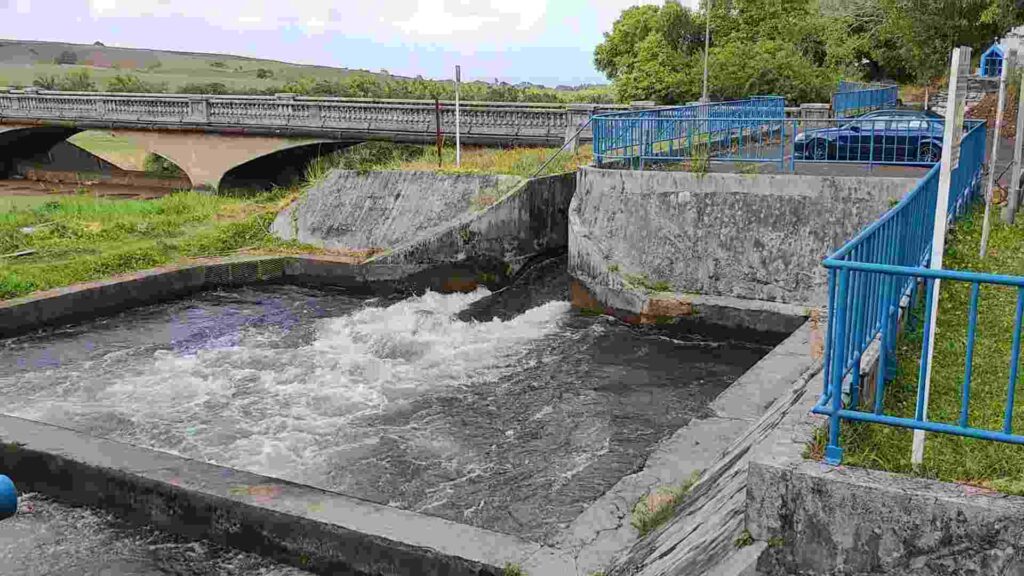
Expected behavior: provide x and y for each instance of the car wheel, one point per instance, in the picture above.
(929, 153)
(819, 149)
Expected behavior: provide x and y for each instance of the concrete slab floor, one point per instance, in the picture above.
(49, 538)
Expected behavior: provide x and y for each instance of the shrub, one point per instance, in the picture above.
(66, 57)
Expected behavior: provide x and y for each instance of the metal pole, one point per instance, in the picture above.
(1010, 212)
(707, 47)
(440, 140)
(986, 226)
(953, 132)
(458, 142)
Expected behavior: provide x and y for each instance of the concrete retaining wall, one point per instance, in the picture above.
(756, 237)
(422, 220)
(825, 520)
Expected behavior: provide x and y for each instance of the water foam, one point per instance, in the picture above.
(280, 411)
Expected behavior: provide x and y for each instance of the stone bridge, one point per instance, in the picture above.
(255, 138)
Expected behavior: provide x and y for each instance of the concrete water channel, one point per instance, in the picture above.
(412, 415)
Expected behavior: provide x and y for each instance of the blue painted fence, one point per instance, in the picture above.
(682, 132)
(854, 98)
(875, 278)
(735, 134)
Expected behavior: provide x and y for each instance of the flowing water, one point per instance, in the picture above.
(512, 425)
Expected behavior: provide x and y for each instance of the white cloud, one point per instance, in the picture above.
(467, 24)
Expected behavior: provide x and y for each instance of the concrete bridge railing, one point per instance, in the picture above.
(288, 114)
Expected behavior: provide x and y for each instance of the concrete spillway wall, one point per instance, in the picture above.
(419, 222)
(750, 237)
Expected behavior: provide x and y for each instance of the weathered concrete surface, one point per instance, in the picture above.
(529, 221)
(91, 299)
(207, 157)
(851, 521)
(319, 531)
(48, 538)
(719, 446)
(423, 220)
(715, 316)
(759, 237)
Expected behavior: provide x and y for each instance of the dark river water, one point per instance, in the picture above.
(513, 425)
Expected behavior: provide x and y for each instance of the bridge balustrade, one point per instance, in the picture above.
(528, 123)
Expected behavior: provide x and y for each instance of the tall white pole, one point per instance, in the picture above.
(953, 132)
(993, 161)
(707, 48)
(1010, 212)
(458, 142)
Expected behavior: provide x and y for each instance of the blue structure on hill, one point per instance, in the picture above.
(992, 62)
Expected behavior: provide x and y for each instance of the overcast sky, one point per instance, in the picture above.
(543, 41)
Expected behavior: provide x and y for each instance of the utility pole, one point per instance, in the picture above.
(1010, 212)
(707, 47)
(953, 131)
(994, 160)
(458, 142)
(437, 124)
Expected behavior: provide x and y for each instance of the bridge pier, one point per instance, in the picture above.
(206, 157)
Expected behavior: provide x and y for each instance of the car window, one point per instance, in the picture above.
(876, 125)
(909, 125)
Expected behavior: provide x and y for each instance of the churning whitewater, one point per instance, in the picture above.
(513, 425)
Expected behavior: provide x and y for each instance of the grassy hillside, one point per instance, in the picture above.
(23, 63)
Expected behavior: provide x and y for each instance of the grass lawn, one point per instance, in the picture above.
(81, 237)
(518, 161)
(951, 458)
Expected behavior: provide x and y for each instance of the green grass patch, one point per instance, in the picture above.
(743, 540)
(79, 238)
(642, 283)
(519, 161)
(513, 570)
(117, 150)
(656, 508)
(952, 458)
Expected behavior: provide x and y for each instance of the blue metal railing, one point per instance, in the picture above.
(734, 134)
(854, 98)
(875, 276)
(677, 132)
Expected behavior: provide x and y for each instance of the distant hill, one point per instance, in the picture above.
(22, 61)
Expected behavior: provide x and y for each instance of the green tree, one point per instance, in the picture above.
(657, 53)
(132, 83)
(216, 88)
(66, 57)
(77, 81)
(618, 52)
(47, 82)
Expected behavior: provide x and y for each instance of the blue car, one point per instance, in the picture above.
(894, 138)
(902, 113)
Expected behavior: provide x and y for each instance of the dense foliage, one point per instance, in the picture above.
(794, 48)
(357, 85)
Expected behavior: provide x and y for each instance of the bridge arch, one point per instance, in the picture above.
(283, 167)
(207, 157)
(29, 144)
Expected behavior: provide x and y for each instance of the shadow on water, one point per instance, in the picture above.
(514, 423)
